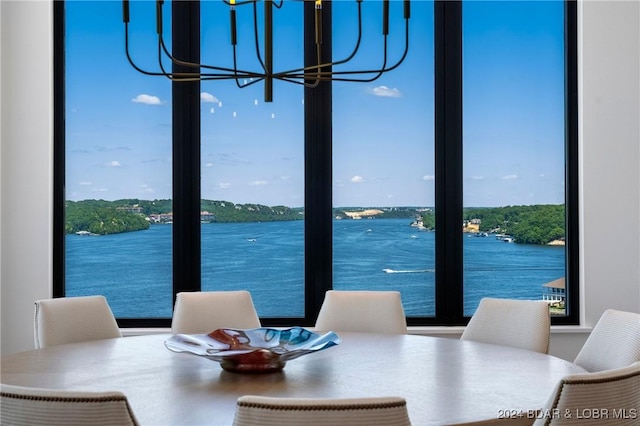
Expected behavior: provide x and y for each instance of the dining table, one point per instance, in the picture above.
(444, 380)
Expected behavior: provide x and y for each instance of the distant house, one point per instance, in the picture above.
(472, 225)
(207, 217)
(131, 209)
(554, 292)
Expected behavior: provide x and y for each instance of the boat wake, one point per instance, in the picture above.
(406, 271)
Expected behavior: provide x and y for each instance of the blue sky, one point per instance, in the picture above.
(119, 121)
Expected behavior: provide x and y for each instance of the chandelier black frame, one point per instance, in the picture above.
(308, 76)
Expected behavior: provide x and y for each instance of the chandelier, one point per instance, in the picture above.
(309, 75)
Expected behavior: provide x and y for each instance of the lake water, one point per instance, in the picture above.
(133, 270)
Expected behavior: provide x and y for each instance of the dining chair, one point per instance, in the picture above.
(522, 324)
(614, 342)
(200, 312)
(73, 319)
(362, 311)
(608, 397)
(255, 410)
(27, 406)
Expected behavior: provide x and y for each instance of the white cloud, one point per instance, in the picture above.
(208, 97)
(224, 185)
(209, 165)
(147, 99)
(99, 190)
(255, 102)
(113, 164)
(509, 177)
(357, 179)
(85, 183)
(146, 189)
(234, 114)
(428, 177)
(477, 177)
(273, 115)
(386, 92)
(212, 110)
(258, 183)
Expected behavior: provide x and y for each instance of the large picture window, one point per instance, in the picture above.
(449, 179)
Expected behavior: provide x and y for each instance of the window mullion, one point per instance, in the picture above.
(318, 169)
(571, 169)
(448, 159)
(186, 150)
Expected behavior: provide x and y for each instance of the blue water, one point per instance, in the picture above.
(133, 270)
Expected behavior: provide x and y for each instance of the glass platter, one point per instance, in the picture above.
(255, 350)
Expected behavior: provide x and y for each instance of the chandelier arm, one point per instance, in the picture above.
(241, 3)
(177, 61)
(130, 59)
(357, 46)
(302, 82)
(125, 19)
(251, 83)
(334, 63)
(238, 3)
(316, 78)
(172, 74)
(241, 86)
(324, 74)
(255, 31)
(328, 75)
(194, 65)
(258, 77)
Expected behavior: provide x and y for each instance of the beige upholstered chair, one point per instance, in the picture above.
(73, 319)
(362, 311)
(522, 324)
(613, 343)
(204, 311)
(609, 397)
(255, 410)
(23, 406)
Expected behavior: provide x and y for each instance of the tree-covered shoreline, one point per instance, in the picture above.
(536, 224)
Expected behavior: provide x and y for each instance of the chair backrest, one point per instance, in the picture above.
(522, 324)
(614, 342)
(24, 406)
(362, 311)
(200, 312)
(609, 397)
(253, 410)
(73, 319)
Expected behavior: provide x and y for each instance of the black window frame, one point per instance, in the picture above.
(318, 160)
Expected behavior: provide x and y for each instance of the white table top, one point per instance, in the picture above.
(443, 380)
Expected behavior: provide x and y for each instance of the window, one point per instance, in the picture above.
(383, 163)
(403, 183)
(513, 149)
(253, 164)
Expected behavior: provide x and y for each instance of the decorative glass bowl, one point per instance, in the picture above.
(255, 350)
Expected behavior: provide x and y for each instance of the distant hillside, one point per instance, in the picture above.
(538, 224)
(110, 217)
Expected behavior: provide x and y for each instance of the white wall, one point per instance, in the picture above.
(26, 168)
(609, 46)
(610, 74)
